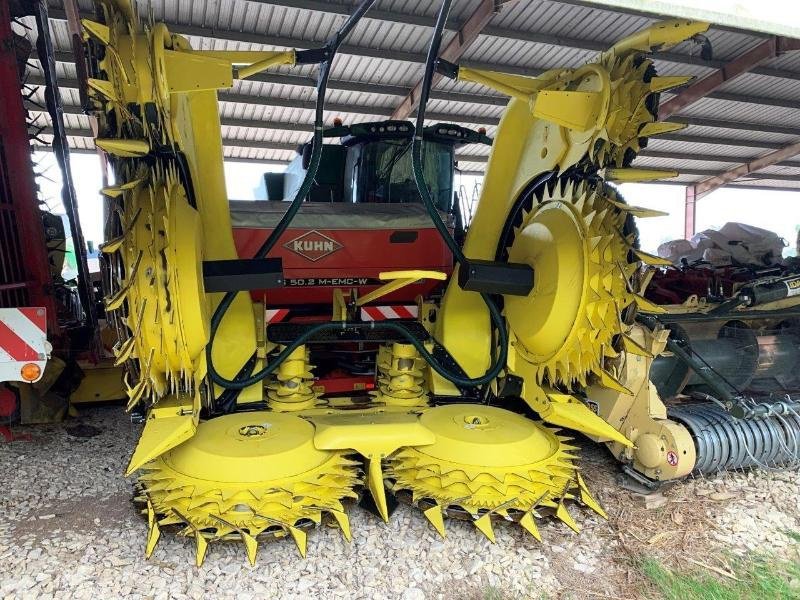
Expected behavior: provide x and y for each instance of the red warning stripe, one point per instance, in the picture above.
(403, 312)
(37, 316)
(381, 313)
(15, 346)
(276, 315)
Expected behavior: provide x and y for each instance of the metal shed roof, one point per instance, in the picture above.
(264, 119)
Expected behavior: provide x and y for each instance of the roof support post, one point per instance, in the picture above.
(690, 212)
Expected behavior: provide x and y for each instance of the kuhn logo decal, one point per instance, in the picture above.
(313, 245)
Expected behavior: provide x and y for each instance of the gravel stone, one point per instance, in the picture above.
(68, 529)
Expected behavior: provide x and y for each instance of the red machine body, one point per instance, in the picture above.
(675, 286)
(342, 245)
(24, 268)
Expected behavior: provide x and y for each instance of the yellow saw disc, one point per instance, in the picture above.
(488, 463)
(573, 236)
(246, 475)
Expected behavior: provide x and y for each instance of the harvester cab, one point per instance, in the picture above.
(372, 163)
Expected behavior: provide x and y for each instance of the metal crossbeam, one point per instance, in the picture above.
(710, 157)
(447, 117)
(475, 119)
(776, 157)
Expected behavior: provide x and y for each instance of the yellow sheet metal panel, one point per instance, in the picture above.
(194, 72)
(370, 433)
(101, 383)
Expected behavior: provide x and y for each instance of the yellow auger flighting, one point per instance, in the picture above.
(241, 439)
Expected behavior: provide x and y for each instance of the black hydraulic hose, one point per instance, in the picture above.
(242, 381)
(422, 186)
(331, 48)
(335, 326)
(327, 55)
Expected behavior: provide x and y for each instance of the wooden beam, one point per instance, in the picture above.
(452, 51)
(768, 49)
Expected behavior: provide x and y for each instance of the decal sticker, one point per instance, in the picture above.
(672, 458)
(329, 281)
(792, 286)
(313, 245)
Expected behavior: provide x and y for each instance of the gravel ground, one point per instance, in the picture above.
(69, 530)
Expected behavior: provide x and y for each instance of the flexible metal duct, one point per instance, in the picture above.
(724, 442)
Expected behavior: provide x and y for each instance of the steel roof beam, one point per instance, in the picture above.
(737, 125)
(563, 41)
(711, 158)
(453, 50)
(260, 145)
(445, 117)
(776, 157)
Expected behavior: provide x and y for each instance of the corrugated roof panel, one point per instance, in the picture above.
(361, 99)
(735, 152)
(671, 68)
(764, 86)
(740, 111)
(523, 54)
(258, 154)
(75, 142)
(403, 40)
(465, 108)
(263, 90)
(69, 96)
(782, 170)
(460, 10)
(603, 26)
(471, 166)
(81, 143)
(374, 70)
(383, 34)
(294, 138)
(792, 185)
(727, 45)
(467, 87)
(74, 121)
(568, 20)
(738, 134)
(790, 61)
(677, 165)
